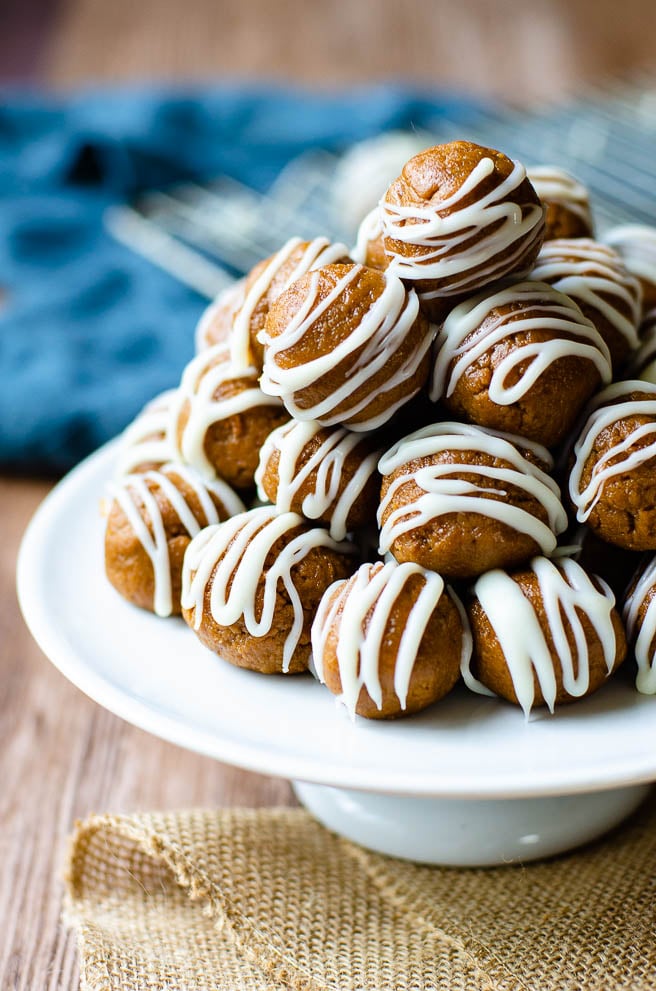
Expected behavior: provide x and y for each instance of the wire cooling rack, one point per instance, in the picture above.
(208, 235)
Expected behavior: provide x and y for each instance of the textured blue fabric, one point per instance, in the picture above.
(88, 331)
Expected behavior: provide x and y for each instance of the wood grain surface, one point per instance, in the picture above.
(62, 756)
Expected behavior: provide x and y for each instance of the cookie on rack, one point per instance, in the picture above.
(251, 587)
(390, 640)
(460, 500)
(594, 276)
(612, 483)
(460, 217)
(566, 202)
(545, 635)
(220, 418)
(520, 358)
(327, 474)
(152, 518)
(346, 345)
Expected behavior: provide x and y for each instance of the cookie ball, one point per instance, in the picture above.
(639, 614)
(543, 636)
(566, 202)
(266, 282)
(612, 484)
(327, 474)
(636, 246)
(346, 345)
(251, 587)
(145, 444)
(459, 217)
(152, 519)
(460, 500)
(221, 418)
(594, 276)
(390, 641)
(216, 323)
(522, 359)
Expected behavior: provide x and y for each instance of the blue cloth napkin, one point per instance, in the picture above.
(88, 331)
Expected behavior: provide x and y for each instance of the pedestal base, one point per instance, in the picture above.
(468, 833)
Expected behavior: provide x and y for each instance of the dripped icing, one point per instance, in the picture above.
(443, 494)
(202, 378)
(462, 340)
(146, 439)
(643, 638)
(642, 363)
(228, 298)
(134, 491)
(369, 230)
(232, 557)
(636, 245)
(327, 463)
(554, 185)
(504, 233)
(590, 273)
(316, 254)
(360, 609)
(567, 593)
(616, 460)
(382, 331)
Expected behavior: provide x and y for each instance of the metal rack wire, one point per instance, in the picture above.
(208, 235)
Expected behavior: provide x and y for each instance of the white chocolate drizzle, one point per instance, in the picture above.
(134, 491)
(231, 558)
(360, 610)
(468, 333)
(443, 494)
(642, 363)
(643, 638)
(636, 245)
(504, 234)
(203, 377)
(146, 441)
(610, 405)
(228, 299)
(327, 464)
(593, 275)
(316, 254)
(554, 185)
(567, 594)
(369, 230)
(381, 333)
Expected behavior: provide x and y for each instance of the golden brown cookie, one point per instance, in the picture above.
(390, 640)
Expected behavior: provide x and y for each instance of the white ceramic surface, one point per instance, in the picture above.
(155, 674)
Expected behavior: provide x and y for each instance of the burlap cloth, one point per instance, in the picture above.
(247, 900)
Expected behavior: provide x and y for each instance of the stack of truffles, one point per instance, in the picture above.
(415, 424)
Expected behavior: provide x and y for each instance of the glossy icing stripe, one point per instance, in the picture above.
(567, 593)
(146, 439)
(443, 495)
(554, 185)
(636, 245)
(590, 273)
(316, 254)
(328, 462)
(382, 331)
(201, 379)
(463, 339)
(643, 639)
(232, 556)
(504, 234)
(134, 491)
(611, 405)
(360, 611)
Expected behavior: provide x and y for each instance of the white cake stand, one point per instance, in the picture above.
(469, 782)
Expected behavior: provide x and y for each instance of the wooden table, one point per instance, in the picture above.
(62, 756)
